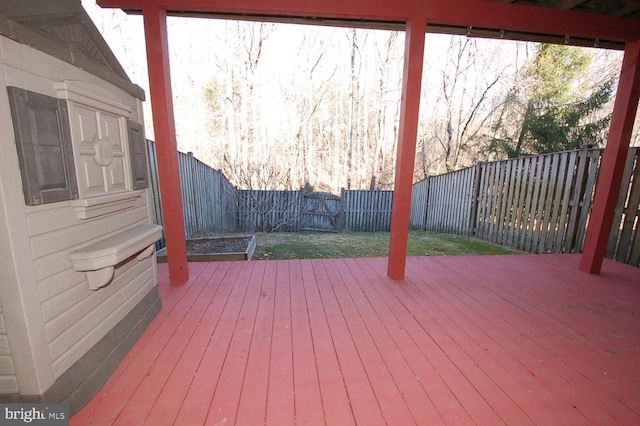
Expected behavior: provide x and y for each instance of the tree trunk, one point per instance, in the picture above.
(523, 131)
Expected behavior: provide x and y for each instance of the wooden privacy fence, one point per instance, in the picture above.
(320, 211)
(211, 204)
(268, 211)
(366, 210)
(291, 211)
(445, 203)
(539, 204)
(208, 198)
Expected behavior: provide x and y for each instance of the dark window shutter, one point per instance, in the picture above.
(138, 150)
(43, 141)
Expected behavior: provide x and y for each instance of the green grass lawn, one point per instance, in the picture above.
(306, 245)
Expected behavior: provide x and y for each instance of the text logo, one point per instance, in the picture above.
(34, 414)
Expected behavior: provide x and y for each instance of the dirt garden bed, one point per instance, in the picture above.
(216, 249)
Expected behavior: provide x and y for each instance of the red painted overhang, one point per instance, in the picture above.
(461, 13)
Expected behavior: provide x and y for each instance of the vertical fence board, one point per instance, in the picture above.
(632, 211)
(538, 206)
(547, 212)
(559, 175)
(490, 206)
(503, 196)
(498, 204)
(419, 199)
(563, 221)
(518, 200)
(510, 212)
(627, 224)
(527, 196)
(481, 216)
(630, 175)
(490, 169)
(580, 181)
(587, 199)
(516, 176)
(528, 165)
(533, 206)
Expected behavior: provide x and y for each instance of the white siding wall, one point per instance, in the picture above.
(8, 382)
(74, 317)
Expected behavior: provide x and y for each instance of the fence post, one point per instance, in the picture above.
(300, 209)
(474, 198)
(239, 219)
(194, 192)
(342, 209)
(427, 202)
(577, 196)
(223, 202)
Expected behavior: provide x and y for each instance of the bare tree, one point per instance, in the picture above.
(471, 82)
(383, 128)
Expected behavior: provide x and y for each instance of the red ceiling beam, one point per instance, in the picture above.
(155, 28)
(466, 13)
(614, 157)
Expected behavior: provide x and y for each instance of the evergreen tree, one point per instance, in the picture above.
(560, 108)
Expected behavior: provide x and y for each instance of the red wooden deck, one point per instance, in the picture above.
(462, 340)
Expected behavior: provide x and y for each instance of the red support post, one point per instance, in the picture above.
(406, 152)
(155, 28)
(612, 168)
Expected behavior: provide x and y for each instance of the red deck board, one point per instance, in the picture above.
(329, 372)
(306, 384)
(196, 403)
(466, 360)
(364, 404)
(411, 400)
(428, 333)
(281, 391)
(173, 356)
(526, 354)
(555, 320)
(410, 338)
(511, 388)
(224, 402)
(389, 396)
(493, 335)
(537, 329)
(166, 406)
(462, 340)
(252, 405)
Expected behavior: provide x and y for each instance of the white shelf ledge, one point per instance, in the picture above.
(88, 208)
(98, 260)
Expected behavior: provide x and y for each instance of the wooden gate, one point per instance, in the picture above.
(320, 211)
